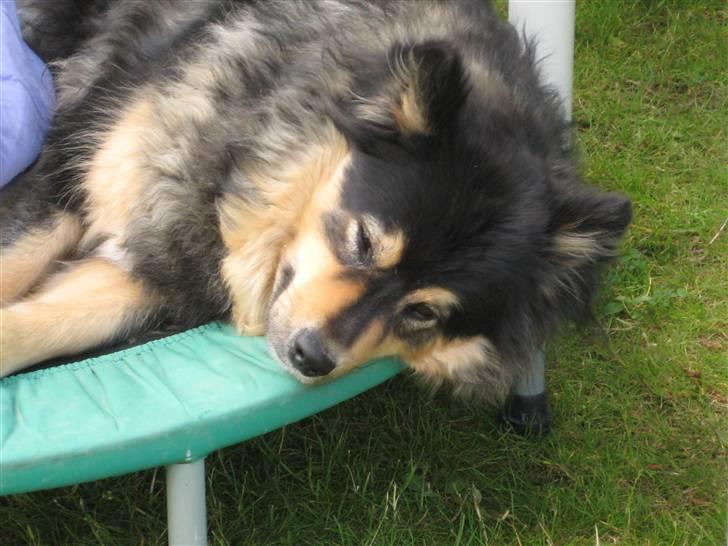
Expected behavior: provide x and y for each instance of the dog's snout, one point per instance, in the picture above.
(308, 355)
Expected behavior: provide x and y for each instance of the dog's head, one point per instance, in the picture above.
(452, 233)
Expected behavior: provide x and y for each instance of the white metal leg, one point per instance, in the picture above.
(551, 22)
(534, 382)
(527, 409)
(186, 507)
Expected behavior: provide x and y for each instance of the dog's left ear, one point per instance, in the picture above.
(585, 230)
(415, 91)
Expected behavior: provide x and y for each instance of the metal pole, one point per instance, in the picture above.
(533, 383)
(186, 507)
(551, 23)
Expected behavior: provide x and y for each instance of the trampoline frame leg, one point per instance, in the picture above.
(527, 410)
(534, 382)
(186, 506)
(551, 23)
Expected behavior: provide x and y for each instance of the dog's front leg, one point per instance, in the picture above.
(89, 303)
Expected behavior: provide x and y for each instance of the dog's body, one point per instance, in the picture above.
(351, 178)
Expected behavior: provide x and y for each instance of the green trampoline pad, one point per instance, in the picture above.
(171, 400)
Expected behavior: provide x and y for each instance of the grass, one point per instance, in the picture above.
(638, 452)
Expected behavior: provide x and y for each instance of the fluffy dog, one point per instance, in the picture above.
(351, 178)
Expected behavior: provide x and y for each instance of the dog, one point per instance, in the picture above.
(352, 179)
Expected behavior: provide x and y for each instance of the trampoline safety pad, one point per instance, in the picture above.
(171, 400)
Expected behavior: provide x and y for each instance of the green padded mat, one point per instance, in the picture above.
(170, 400)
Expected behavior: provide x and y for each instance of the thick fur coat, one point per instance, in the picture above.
(351, 178)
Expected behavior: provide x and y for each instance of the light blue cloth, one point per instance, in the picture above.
(26, 97)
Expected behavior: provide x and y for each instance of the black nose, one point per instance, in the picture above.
(308, 356)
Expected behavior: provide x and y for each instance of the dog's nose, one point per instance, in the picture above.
(308, 355)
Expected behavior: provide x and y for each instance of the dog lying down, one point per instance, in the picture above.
(351, 179)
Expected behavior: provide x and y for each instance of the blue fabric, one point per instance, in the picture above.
(26, 97)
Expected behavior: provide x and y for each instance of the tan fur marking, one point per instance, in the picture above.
(434, 295)
(75, 310)
(116, 179)
(26, 261)
(369, 345)
(439, 360)
(250, 265)
(576, 247)
(409, 114)
(445, 358)
(256, 233)
(470, 365)
(387, 246)
(389, 250)
(323, 299)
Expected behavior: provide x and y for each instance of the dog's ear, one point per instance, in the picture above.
(585, 229)
(431, 87)
(415, 91)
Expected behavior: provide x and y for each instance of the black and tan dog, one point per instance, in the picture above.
(351, 178)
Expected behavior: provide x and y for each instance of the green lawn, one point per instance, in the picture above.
(638, 450)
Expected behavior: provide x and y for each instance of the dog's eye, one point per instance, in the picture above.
(420, 312)
(363, 244)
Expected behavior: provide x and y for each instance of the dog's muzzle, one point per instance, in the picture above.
(308, 355)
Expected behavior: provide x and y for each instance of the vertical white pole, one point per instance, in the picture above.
(533, 383)
(186, 507)
(551, 23)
